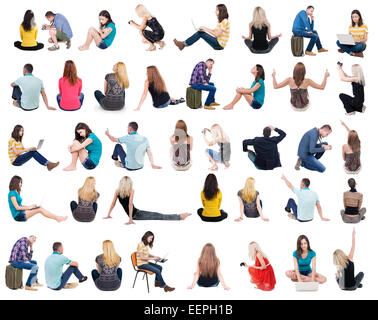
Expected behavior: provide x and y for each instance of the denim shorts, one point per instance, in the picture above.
(215, 155)
(305, 273)
(102, 45)
(21, 217)
(164, 105)
(255, 104)
(88, 164)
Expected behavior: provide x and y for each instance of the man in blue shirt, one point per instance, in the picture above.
(59, 30)
(310, 151)
(304, 27)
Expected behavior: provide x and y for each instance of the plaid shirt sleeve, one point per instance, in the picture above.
(199, 75)
(20, 251)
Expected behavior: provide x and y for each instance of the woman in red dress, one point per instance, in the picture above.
(262, 274)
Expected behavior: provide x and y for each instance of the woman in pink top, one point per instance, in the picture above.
(70, 97)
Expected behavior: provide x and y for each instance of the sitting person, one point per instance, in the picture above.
(22, 213)
(256, 94)
(143, 256)
(216, 38)
(21, 258)
(345, 268)
(182, 145)
(352, 151)
(28, 34)
(159, 93)
(303, 26)
(85, 209)
(70, 97)
(156, 32)
(18, 154)
(104, 36)
(353, 211)
(359, 32)
(26, 91)
(298, 85)
(307, 200)
(220, 138)
(266, 155)
(211, 198)
(261, 272)
(86, 147)
(107, 276)
(259, 30)
(125, 195)
(55, 278)
(136, 147)
(114, 88)
(304, 259)
(59, 30)
(356, 103)
(310, 151)
(250, 202)
(208, 273)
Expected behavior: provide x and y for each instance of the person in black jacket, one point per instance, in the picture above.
(266, 156)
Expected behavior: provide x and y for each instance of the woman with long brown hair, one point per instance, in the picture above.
(85, 209)
(182, 144)
(155, 84)
(298, 85)
(352, 151)
(70, 97)
(208, 272)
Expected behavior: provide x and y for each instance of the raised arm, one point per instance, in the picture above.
(144, 95)
(279, 85)
(288, 183)
(281, 134)
(345, 126)
(107, 133)
(319, 86)
(351, 253)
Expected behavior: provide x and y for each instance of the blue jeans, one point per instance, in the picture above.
(164, 105)
(59, 97)
(212, 41)
(314, 39)
(32, 266)
(358, 47)
(25, 157)
(209, 87)
(16, 94)
(96, 275)
(292, 207)
(311, 161)
(67, 274)
(157, 269)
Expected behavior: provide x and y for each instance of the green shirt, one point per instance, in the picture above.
(31, 89)
(54, 269)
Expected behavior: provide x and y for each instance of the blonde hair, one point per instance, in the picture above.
(259, 18)
(208, 261)
(121, 75)
(249, 191)
(340, 259)
(110, 257)
(125, 186)
(358, 73)
(254, 249)
(142, 11)
(88, 192)
(218, 134)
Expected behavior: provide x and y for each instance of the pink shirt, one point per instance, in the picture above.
(70, 94)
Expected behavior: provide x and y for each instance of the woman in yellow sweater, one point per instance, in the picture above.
(211, 198)
(28, 34)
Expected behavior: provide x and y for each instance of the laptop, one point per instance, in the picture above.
(164, 259)
(346, 39)
(40, 144)
(194, 25)
(39, 204)
(307, 286)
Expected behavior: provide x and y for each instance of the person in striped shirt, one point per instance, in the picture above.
(359, 32)
(352, 213)
(217, 38)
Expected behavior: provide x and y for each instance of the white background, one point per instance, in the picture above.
(169, 191)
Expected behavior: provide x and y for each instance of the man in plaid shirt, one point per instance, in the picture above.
(200, 81)
(21, 258)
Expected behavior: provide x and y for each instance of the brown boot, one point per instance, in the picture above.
(341, 50)
(52, 165)
(179, 44)
(157, 284)
(168, 289)
(358, 54)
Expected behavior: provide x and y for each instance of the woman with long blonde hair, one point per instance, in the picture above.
(107, 276)
(259, 30)
(250, 202)
(352, 151)
(150, 29)
(182, 144)
(85, 209)
(261, 272)
(220, 138)
(155, 85)
(345, 268)
(356, 103)
(298, 85)
(114, 88)
(208, 272)
(125, 195)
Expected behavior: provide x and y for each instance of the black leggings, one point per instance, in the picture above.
(18, 45)
(358, 278)
(350, 103)
(271, 45)
(223, 216)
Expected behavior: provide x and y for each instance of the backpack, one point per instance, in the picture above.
(13, 277)
(193, 98)
(297, 46)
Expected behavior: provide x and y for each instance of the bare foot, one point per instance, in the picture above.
(130, 222)
(61, 219)
(183, 216)
(161, 44)
(83, 48)
(228, 107)
(226, 165)
(214, 168)
(151, 48)
(108, 217)
(70, 168)
(238, 219)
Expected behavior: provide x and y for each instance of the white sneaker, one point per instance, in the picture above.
(363, 109)
(350, 113)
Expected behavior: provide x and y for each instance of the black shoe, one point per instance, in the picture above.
(360, 285)
(84, 279)
(287, 210)
(363, 218)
